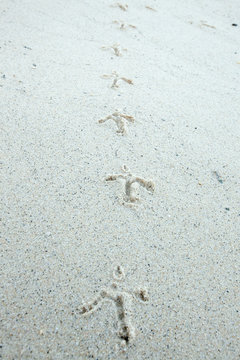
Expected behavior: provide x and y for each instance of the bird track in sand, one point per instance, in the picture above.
(123, 300)
(116, 78)
(131, 186)
(123, 7)
(117, 49)
(123, 26)
(120, 120)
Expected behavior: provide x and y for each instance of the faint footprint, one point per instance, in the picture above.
(121, 6)
(123, 26)
(123, 302)
(150, 8)
(131, 187)
(203, 23)
(116, 48)
(120, 120)
(116, 79)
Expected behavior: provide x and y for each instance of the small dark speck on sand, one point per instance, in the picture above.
(218, 177)
(4, 76)
(234, 25)
(227, 209)
(27, 47)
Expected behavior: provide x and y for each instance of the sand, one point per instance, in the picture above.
(120, 238)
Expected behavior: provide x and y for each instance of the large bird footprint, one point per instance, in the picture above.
(123, 302)
(120, 120)
(131, 185)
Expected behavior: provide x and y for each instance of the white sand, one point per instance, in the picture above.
(63, 228)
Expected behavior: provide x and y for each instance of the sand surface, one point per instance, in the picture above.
(87, 271)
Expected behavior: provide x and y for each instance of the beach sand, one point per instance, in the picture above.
(87, 270)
